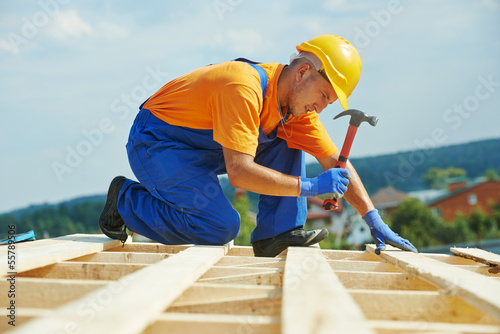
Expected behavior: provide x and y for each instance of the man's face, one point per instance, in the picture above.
(311, 92)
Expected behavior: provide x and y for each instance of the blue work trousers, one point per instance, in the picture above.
(178, 199)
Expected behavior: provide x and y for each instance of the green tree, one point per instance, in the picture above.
(242, 205)
(436, 178)
(492, 175)
(415, 222)
(455, 232)
(481, 224)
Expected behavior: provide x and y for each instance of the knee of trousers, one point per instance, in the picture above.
(232, 227)
(225, 230)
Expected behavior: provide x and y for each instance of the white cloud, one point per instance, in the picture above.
(67, 24)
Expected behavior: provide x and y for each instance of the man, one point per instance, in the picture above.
(253, 122)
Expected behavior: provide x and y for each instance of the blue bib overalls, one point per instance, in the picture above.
(178, 199)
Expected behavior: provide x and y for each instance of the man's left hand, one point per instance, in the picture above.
(382, 234)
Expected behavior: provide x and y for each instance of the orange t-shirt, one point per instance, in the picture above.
(227, 98)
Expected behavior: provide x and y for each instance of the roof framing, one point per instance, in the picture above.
(91, 284)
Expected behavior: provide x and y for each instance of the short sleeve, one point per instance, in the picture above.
(235, 110)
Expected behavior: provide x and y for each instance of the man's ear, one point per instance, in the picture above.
(301, 71)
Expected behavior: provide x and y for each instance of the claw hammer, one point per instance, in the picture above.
(357, 117)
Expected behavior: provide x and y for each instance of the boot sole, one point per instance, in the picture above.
(109, 208)
(278, 248)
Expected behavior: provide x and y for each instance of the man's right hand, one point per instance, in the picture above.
(333, 181)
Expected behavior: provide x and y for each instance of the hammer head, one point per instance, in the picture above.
(357, 117)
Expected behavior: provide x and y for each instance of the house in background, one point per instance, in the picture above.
(344, 222)
(386, 200)
(465, 196)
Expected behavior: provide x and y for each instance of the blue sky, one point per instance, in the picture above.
(72, 75)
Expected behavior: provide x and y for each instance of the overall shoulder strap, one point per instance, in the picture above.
(262, 74)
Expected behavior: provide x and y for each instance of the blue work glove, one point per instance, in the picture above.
(383, 234)
(334, 181)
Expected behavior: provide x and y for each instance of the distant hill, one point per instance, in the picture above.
(405, 170)
(70, 204)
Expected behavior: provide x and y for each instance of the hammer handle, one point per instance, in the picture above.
(330, 204)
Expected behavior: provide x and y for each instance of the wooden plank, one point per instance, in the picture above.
(396, 327)
(382, 281)
(150, 247)
(125, 257)
(260, 278)
(312, 294)
(476, 289)
(478, 255)
(205, 292)
(219, 271)
(84, 270)
(241, 251)
(38, 254)
(150, 290)
(348, 255)
(371, 266)
(279, 264)
(48, 293)
(483, 270)
(185, 323)
(257, 305)
(251, 261)
(430, 306)
(23, 315)
(449, 259)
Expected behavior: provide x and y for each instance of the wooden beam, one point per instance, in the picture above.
(148, 247)
(382, 281)
(42, 253)
(348, 255)
(478, 255)
(220, 271)
(483, 270)
(396, 327)
(192, 323)
(244, 261)
(449, 259)
(257, 278)
(84, 270)
(130, 304)
(23, 315)
(474, 288)
(125, 257)
(205, 292)
(256, 305)
(48, 293)
(241, 251)
(429, 306)
(314, 300)
(371, 266)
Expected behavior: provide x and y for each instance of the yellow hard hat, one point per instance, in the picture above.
(340, 61)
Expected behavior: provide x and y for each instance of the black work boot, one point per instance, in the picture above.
(110, 221)
(296, 237)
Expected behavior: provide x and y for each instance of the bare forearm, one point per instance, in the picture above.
(356, 193)
(245, 174)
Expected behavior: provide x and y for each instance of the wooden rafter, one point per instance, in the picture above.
(472, 287)
(101, 287)
(314, 299)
